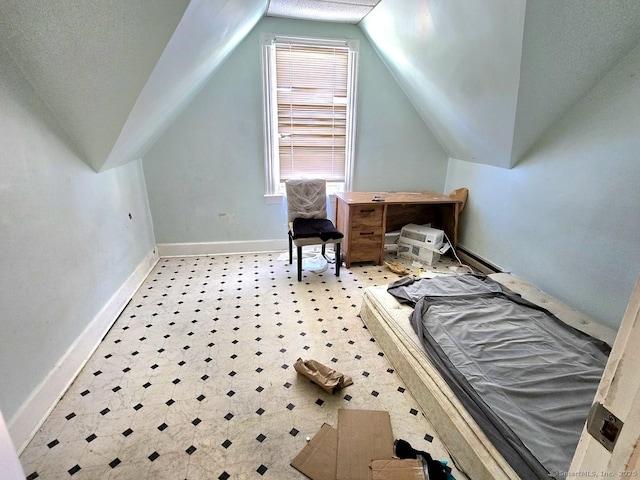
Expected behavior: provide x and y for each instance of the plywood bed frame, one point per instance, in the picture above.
(388, 322)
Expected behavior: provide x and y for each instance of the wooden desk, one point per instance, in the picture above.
(364, 221)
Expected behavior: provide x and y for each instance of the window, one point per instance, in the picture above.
(309, 110)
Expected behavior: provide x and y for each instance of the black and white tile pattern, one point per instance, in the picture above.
(195, 380)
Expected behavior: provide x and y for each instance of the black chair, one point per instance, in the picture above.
(307, 219)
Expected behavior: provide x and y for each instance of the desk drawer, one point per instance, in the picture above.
(366, 244)
(366, 216)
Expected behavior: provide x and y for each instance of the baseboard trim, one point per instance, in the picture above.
(476, 261)
(34, 411)
(220, 248)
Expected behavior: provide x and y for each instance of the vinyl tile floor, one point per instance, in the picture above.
(195, 379)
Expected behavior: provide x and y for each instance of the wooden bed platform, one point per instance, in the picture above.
(388, 322)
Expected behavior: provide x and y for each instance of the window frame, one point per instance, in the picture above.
(273, 187)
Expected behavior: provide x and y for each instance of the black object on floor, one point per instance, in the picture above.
(437, 471)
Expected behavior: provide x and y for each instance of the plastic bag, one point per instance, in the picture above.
(317, 263)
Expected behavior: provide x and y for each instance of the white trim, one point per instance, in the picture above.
(9, 460)
(269, 112)
(274, 199)
(352, 92)
(219, 248)
(332, 188)
(270, 106)
(34, 411)
(477, 261)
(619, 393)
(270, 38)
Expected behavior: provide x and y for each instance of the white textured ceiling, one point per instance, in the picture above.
(337, 11)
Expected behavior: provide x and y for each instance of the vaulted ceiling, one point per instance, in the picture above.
(489, 77)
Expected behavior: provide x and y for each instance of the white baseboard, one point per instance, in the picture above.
(476, 261)
(219, 248)
(33, 412)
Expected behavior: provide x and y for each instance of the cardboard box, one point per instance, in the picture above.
(347, 453)
(418, 254)
(397, 469)
(363, 436)
(391, 238)
(317, 460)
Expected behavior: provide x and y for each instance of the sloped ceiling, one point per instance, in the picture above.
(116, 72)
(459, 62)
(568, 47)
(206, 35)
(489, 77)
(89, 60)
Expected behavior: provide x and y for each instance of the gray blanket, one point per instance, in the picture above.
(526, 378)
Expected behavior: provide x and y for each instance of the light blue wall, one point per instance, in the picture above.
(67, 241)
(567, 217)
(205, 175)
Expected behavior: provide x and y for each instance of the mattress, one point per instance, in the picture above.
(457, 423)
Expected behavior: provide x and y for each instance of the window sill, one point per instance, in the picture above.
(274, 199)
(278, 198)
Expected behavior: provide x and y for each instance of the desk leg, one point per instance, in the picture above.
(448, 219)
(384, 231)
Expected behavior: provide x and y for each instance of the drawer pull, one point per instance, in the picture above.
(370, 210)
(366, 233)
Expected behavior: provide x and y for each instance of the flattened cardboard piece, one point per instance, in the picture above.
(397, 469)
(363, 436)
(325, 377)
(317, 460)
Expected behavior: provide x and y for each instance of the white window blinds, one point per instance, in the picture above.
(309, 92)
(312, 87)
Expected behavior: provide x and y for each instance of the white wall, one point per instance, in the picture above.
(567, 217)
(205, 175)
(67, 240)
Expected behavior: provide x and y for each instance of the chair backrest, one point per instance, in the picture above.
(306, 198)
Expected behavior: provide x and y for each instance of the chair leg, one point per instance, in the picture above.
(336, 250)
(290, 249)
(323, 249)
(299, 264)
